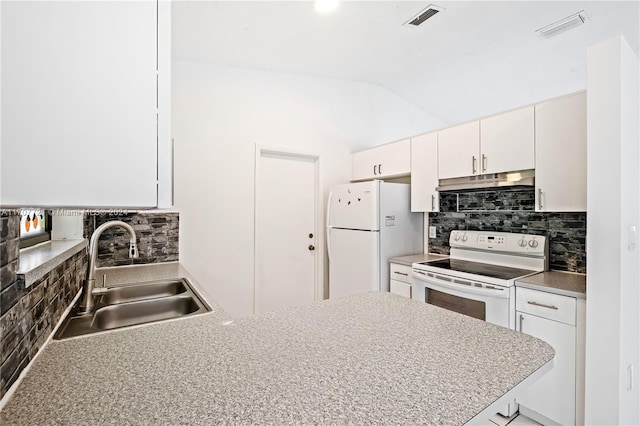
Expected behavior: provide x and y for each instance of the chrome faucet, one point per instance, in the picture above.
(88, 285)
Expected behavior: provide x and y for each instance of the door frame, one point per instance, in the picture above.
(318, 287)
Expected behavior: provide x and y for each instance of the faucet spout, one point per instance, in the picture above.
(88, 285)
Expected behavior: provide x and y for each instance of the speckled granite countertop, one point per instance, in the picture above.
(564, 283)
(408, 260)
(370, 358)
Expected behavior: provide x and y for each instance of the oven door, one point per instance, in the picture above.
(483, 301)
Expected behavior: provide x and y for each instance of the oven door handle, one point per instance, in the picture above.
(438, 284)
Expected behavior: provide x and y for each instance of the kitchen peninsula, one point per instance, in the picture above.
(367, 358)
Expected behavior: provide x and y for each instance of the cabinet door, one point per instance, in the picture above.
(507, 141)
(365, 165)
(395, 159)
(400, 288)
(561, 154)
(458, 150)
(79, 124)
(554, 395)
(424, 173)
(385, 161)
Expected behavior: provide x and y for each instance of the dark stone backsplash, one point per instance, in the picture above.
(156, 234)
(512, 210)
(29, 315)
(9, 249)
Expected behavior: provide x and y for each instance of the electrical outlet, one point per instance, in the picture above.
(432, 232)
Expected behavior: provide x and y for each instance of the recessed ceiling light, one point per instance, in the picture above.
(563, 25)
(326, 6)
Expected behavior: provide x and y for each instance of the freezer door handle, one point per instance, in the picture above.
(329, 209)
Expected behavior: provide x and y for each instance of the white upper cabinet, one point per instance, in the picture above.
(501, 143)
(561, 154)
(385, 161)
(83, 87)
(507, 142)
(458, 150)
(424, 173)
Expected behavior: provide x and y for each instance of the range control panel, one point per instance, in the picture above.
(498, 241)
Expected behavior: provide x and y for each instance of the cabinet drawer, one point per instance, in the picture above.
(400, 288)
(400, 272)
(546, 305)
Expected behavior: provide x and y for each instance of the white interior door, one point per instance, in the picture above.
(286, 230)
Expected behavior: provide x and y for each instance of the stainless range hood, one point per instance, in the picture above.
(493, 180)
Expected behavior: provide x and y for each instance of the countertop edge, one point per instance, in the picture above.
(39, 260)
(424, 257)
(549, 289)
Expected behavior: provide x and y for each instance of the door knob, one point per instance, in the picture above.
(311, 247)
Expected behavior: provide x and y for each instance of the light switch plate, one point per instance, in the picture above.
(432, 232)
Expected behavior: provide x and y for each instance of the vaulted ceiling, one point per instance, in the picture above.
(472, 59)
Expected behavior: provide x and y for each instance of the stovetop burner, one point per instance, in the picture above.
(477, 268)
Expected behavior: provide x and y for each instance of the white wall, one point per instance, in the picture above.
(220, 113)
(613, 315)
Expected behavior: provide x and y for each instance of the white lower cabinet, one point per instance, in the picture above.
(400, 279)
(557, 398)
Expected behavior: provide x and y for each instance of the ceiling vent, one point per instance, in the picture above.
(430, 11)
(563, 25)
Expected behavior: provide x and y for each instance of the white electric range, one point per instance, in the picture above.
(478, 277)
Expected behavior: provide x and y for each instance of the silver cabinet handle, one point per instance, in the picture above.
(473, 164)
(484, 163)
(374, 169)
(543, 305)
(433, 202)
(540, 198)
(521, 319)
(380, 169)
(400, 273)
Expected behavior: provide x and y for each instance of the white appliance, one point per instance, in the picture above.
(367, 223)
(478, 277)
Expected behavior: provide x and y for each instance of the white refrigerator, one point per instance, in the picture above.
(367, 223)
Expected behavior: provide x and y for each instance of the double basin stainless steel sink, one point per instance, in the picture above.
(134, 304)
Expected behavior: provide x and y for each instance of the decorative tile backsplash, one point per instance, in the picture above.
(29, 315)
(9, 249)
(512, 210)
(156, 235)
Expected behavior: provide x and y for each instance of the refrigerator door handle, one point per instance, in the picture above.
(329, 209)
(329, 243)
